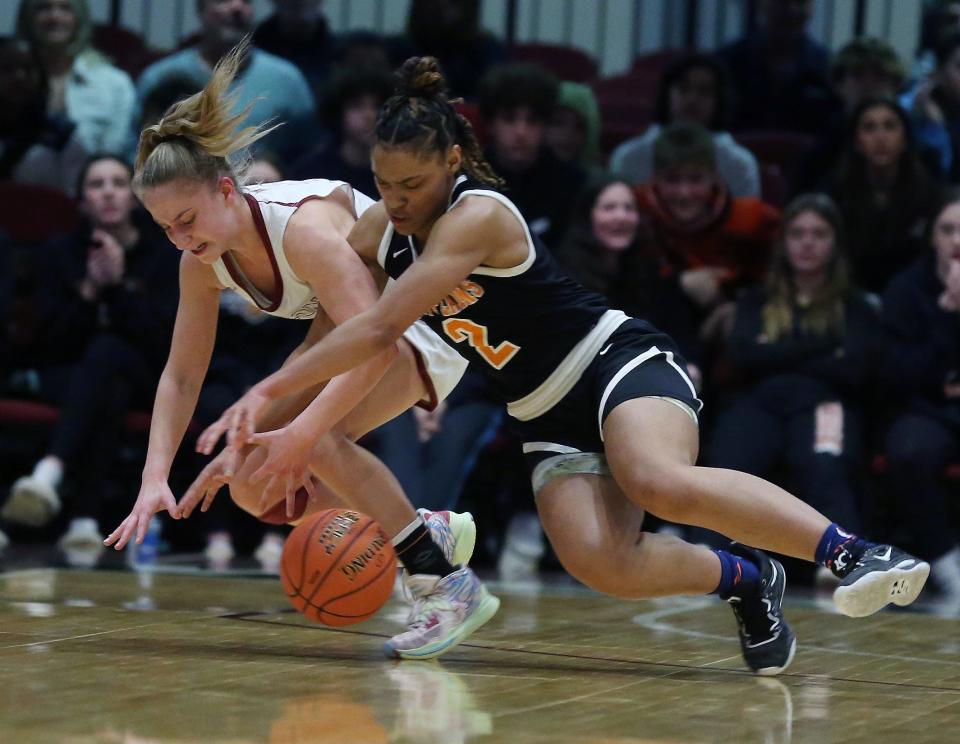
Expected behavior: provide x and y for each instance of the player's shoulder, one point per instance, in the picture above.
(367, 233)
(481, 216)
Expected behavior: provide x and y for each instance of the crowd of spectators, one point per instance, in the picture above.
(786, 214)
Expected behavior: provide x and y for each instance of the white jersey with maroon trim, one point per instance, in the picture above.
(272, 206)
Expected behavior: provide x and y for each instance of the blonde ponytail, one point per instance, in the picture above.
(198, 138)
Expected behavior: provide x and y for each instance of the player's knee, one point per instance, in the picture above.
(660, 488)
(592, 565)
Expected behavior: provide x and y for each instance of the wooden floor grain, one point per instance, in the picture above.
(116, 656)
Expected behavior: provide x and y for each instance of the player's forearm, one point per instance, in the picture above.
(173, 408)
(349, 345)
(343, 393)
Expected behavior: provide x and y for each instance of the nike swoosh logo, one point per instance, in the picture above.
(606, 349)
(402, 250)
(885, 555)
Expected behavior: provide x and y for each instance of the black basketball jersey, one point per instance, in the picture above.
(516, 324)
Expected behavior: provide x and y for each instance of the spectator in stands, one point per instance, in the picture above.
(934, 106)
(921, 370)
(265, 168)
(35, 146)
(940, 17)
(109, 295)
(883, 191)
(450, 31)
(364, 49)
(804, 345)
(573, 132)
(298, 31)
(605, 250)
(779, 72)
(866, 68)
(350, 107)
(709, 243)
(272, 87)
(693, 89)
(82, 85)
(516, 102)
(163, 96)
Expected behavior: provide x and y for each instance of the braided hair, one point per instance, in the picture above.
(420, 116)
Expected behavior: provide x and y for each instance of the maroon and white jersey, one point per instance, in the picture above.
(272, 205)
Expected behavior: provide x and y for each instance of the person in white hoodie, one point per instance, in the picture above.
(83, 85)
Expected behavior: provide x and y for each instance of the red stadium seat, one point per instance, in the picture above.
(32, 214)
(567, 63)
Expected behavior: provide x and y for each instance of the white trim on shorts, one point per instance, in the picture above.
(442, 363)
(548, 447)
(551, 391)
(627, 368)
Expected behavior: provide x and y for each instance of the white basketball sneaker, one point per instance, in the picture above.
(446, 610)
(32, 501)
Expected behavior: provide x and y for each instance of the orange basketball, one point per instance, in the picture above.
(338, 567)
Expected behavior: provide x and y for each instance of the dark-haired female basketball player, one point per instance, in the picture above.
(608, 414)
(283, 248)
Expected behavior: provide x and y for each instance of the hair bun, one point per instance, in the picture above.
(420, 77)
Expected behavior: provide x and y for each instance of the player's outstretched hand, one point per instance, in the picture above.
(238, 422)
(212, 478)
(284, 470)
(155, 496)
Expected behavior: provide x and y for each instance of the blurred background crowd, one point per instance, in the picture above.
(787, 212)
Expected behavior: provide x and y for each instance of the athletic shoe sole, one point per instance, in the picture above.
(485, 611)
(774, 671)
(877, 589)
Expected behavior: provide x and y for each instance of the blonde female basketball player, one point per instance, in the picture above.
(283, 247)
(608, 415)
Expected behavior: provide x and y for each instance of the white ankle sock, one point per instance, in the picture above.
(49, 471)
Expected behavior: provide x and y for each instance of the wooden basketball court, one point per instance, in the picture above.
(179, 655)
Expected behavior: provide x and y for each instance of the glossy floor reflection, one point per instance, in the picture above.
(116, 656)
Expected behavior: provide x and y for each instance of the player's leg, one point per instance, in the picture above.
(596, 533)
(651, 446)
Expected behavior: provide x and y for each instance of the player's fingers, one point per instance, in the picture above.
(142, 523)
(211, 435)
(208, 499)
(291, 493)
(311, 487)
(115, 535)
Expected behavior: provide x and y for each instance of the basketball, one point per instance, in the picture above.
(338, 567)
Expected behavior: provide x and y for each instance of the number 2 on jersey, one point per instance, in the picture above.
(461, 329)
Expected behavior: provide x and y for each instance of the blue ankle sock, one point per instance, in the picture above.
(839, 550)
(738, 576)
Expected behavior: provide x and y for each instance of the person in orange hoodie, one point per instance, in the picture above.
(710, 243)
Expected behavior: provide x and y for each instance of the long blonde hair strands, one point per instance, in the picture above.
(198, 138)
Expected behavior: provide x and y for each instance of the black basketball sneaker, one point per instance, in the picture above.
(766, 639)
(880, 575)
